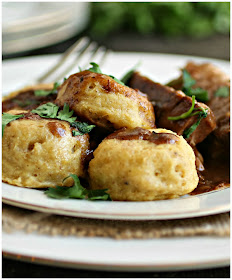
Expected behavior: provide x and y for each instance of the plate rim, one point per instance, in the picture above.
(96, 215)
(117, 267)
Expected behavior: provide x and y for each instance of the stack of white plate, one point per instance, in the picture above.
(31, 25)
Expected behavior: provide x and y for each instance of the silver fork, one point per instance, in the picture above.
(81, 49)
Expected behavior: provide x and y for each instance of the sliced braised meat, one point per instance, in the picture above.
(208, 77)
(211, 78)
(169, 102)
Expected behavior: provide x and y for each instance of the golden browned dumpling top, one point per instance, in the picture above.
(144, 165)
(38, 152)
(101, 100)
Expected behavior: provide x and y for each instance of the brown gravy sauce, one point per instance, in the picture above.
(26, 100)
(30, 116)
(57, 129)
(143, 134)
(215, 176)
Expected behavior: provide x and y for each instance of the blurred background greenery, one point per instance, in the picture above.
(195, 19)
(189, 28)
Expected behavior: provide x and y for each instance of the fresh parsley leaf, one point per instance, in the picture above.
(186, 114)
(128, 75)
(65, 114)
(222, 92)
(98, 195)
(47, 92)
(202, 114)
(48, 110)
(201, 94)
(76, 133)
(116, 80)
(188, 82)
(7, 118)
(95, 68)
(82, 127)
(25, 103)
(76, 191)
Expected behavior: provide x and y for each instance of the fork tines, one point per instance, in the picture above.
(78, 56)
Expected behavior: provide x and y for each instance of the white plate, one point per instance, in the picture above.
(160, 68)
(31, 25)
(119, 255)
(104, 253)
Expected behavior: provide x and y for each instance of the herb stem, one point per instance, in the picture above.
(186, 114)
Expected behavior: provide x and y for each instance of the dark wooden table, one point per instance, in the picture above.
(217, 46)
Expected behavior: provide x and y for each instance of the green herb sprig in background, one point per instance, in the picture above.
(188, 83)
(222, 92)
(42, 92)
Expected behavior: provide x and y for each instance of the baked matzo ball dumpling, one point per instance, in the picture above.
(38, 152)
(143, 165)
(99, 99)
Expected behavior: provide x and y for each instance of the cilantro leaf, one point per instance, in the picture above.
(48, 110)
(201, 94)
(25, 103)
(47, 92)
(128, 75)
(116, 80)
(7, 118)
(188, 82)
(222, 92)
(186, 114)
(65, 114)
(76, 191)
(76, 133)
(98, 195)
(95, 68)
(82, 127)
(202, 114)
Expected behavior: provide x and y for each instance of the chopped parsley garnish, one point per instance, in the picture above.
(25, 103)
(50, 110)
(82, 127)
(47, 92)
(184, 115)
(222, 92)
(66, 115)
(96, 69)
(202, 113)
(128, 75)
(188, 83)
(7, 118)
(76, 191)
